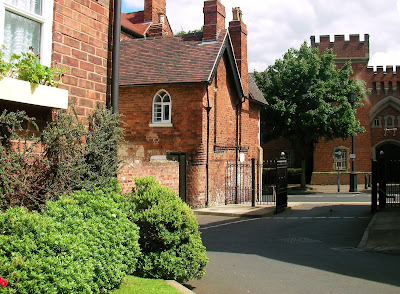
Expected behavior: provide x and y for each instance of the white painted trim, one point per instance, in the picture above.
(34, 94)
(46, 21)
(160, 125)
(162, 109)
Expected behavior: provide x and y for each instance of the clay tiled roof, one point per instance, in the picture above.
(135, 22)
(178, 59)
(255, 92)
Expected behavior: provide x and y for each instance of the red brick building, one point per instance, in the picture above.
(75, 35)
(189, 94)
(380, 115)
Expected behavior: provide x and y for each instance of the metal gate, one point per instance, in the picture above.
(385, 183)
(257, 183)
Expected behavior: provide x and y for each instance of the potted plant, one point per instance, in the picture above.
(23, 79)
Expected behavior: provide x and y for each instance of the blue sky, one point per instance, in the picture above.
(276, 25)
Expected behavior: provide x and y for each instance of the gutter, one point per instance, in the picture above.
(115, 56)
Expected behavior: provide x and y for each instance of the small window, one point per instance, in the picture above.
(389, 121)
(162, 107)
(374, 86)
(343, 165)
(377, 122)
(390, 86)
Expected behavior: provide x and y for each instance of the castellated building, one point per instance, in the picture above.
(380, 116)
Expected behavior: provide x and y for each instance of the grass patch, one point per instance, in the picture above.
(135, 285)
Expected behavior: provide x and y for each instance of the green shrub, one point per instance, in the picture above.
(169, 237)
(85, 243)
(67, 157)
(294, 175)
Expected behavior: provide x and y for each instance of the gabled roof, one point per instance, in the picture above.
(178, 59)
(134, 23)
(255, 93)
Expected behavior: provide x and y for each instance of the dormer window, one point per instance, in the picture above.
(162, 108)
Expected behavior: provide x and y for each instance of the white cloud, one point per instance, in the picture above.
(276, 25)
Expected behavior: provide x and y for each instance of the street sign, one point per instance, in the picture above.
(352, 156)
(336, 160)
(338, 153)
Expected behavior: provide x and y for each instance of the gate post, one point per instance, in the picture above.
(374, 190)
(253, 182)
(382, 180)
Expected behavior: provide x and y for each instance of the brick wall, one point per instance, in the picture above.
(80, 44)
(166, 173)
(189, 131)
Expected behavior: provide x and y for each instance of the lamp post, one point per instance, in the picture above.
(353, 175)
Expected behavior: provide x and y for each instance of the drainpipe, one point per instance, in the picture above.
(208, 109)
(237, 147)
(115, 56)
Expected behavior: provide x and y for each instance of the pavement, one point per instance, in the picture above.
(382, 233)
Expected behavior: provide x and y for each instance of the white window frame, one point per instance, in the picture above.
(162, 123)
(46, 21)
(379, 119)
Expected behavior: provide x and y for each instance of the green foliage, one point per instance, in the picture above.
(26, 67)
(308, 98)
(85, 243)
(100, 153)
(20, 169)
(169, 237)
(182, 32)
(67, 157)
(63, 147)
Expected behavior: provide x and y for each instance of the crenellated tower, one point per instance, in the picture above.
(380, 115)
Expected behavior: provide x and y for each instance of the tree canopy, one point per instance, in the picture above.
(308, 99)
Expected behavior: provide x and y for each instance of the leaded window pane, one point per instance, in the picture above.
(166, 112)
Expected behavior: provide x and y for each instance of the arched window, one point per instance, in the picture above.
(389, 121)
(162, 107)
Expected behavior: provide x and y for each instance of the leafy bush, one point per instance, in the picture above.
(27, 67)
(67, 157)
(85, 243)
(294, 175)
(169, 237)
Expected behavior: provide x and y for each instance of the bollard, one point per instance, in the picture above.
(366, 182)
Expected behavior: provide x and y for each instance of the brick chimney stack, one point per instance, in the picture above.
(214, 19)
(154, 11)
(238, 34)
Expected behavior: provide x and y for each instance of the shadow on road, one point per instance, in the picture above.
(323, 237)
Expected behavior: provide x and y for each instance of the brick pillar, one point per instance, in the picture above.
(238, 34)
(214, 19)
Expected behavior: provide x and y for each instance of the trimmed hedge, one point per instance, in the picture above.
(169, 237)
(85, 243)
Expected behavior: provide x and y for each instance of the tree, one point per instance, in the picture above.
(308, 100)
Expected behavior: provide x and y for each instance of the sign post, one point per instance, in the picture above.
(338, 159)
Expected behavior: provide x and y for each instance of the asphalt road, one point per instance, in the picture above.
(331, 197)
(308, 249)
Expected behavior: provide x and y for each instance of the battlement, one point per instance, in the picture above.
(382, 70)
(353, 48)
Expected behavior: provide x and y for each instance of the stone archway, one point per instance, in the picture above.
(391, 149)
